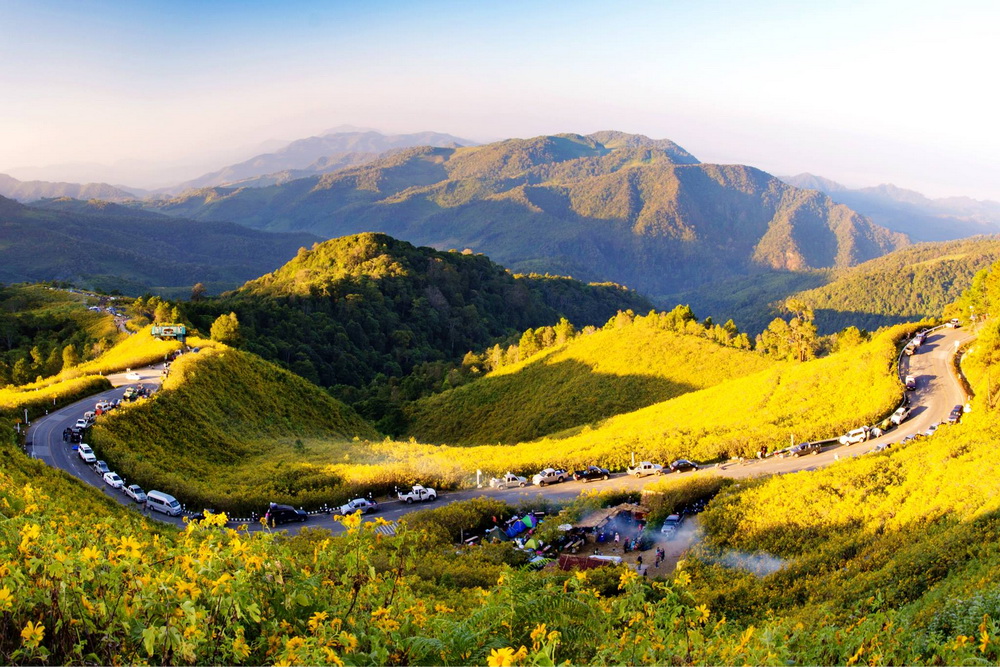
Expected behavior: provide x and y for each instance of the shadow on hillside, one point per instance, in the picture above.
(540, 399)
(830, 321)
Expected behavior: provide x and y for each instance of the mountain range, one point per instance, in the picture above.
(908, 211)
(606, 206)
(113, 247)
(27, 191)
(316, 155)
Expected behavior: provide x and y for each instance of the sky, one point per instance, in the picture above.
(151, 93)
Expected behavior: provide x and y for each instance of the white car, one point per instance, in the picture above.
(645, 468)
(135, 492)
(81, 423)
(931, 429)
(953, 323)
(855, 436)
(113, 480)
(363, 504)
(133, 376)
(900, 415)
(86, 453)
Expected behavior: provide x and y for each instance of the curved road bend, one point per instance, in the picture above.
(938, 391)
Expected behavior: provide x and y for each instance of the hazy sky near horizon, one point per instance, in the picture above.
(860, 92)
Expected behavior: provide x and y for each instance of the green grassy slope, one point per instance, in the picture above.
(218, 434)
(611, 371)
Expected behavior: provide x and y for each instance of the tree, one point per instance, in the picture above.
(198, 291)
(226, 329)
(70, 357)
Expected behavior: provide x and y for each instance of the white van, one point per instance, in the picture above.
(163, 502)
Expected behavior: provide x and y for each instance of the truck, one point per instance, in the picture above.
(646, 468)
(417, 494)
(507, 481)
(550, 476)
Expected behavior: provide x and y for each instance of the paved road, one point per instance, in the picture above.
(937, 393)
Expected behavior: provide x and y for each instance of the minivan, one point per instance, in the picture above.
(163, 502)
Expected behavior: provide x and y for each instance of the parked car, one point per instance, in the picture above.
(507, 481)
(671, 524)
(953, 323)
(591, 472)
(278, 514)
(910, 349)
(133, 377)
(645, 468)
(804, 449)
(358, 504)
(101, 468)
(135, 492)
(75, 436)
(932, 429)
(113, 480)
(855, 436)
(683, 465)
(86, 453)
(81, 424)
(956, 414)
(900, 415)
(550, 476)
(910, 382)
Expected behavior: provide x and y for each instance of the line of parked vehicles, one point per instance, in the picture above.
(590, 473)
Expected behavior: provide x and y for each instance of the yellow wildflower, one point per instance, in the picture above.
(984, 641)
(351, 521)
(240, 647)
(537, 634)
(316, 619)
(32, 634)
(6, 599)
(332, 657)
(703, 612)
(501, 657)
(682, 579)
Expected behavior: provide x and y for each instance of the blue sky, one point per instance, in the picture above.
(862, 92)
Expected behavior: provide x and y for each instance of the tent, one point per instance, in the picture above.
(496, 534)
(532, 544)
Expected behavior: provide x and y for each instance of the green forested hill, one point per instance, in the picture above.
(625, 366)
(353, 308)
(111, 247)
(909, 284)
(608, 206)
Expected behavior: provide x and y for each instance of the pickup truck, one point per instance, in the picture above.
(646, 468)
(550, 476)
(507, 481)
(417, 494)
(670, 526)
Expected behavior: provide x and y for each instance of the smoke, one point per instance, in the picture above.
(758, 563)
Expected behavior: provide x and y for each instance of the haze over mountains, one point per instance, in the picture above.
(316, 155)
(910, 212)
(606, 206)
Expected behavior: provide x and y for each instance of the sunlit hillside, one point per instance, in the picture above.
(625, 366)
(223, 433)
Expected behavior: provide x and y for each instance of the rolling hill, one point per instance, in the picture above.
(354, 308)
(111, 247)
(608, 206)
(907, 285)
(617, 369)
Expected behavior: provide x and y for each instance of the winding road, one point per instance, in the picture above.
(938, 391)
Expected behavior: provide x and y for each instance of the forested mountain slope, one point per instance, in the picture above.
(909, 284)
(353, 308)
(607, 206)
(111, 247)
